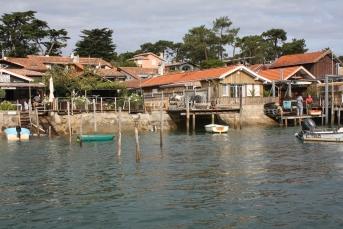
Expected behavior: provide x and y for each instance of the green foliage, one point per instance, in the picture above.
(123, 60)
(96, 43)
(199, 44)
(2, 93)
(212, 63)
(21, 34)
(6, 106)
(276, 38)
(226, 35)
(253, 49)
(67, 81)
(340, 58)
(294, 47)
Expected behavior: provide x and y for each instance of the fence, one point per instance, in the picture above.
(99, 104)
(198, 99)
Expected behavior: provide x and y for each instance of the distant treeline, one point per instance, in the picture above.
(22, 34)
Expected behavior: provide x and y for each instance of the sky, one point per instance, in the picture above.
(135, 22)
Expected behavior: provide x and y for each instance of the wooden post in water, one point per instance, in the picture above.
(119, 133)
(212, 118)
(339, 117)
(161, 122)
(240, 109)
(49, 130)
(94, 116)
(187, 115)
(332, 105)
(37, 121)
(69, 124)
(101, 108)
(326, 100)
(193, 120)
(81, 130)
(138, 149)
(115, 104)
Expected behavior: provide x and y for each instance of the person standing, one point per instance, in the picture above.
(300, 105)
(308, 102)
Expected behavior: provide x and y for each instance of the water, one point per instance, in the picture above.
(254, 178)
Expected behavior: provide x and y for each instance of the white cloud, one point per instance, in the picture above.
(136, 21)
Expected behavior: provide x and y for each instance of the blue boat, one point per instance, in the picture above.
(17, 133)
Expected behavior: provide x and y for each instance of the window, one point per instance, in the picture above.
(253, 90)
(225, 89)
(235, 91)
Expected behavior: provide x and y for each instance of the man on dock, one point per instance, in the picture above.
(300, 106)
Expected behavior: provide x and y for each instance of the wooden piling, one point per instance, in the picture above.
(138, 149)
(69, 123)
(37, 122)
(49, 130)
(332, 104)
(94, 116)
(212, 118)
(339, 117)
(161, 122)
(119, 133)
(193, 122)
(81, 120)
(187, 115)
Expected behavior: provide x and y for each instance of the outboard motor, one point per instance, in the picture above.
(18, 129)
(308, 125)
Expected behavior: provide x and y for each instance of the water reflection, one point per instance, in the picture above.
(251, 178)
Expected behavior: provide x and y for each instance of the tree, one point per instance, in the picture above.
(226, 35)
(123, 60)
(199, 44)
(340, 58)
(276, 37)
(157, 47)
(21, 34)
(253, 49)
(57, 40)
(294, 47)
(96, 43)
(212, 63)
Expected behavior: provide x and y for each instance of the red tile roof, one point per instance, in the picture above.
(38, 63)
(137, 72)
(283, 73)
(299, 59)
(183, 77)
(24, 72)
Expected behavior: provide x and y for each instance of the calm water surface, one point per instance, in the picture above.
(254, 178)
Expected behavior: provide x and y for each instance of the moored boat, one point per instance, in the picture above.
(94, 137)
(216, 128)
(309, 132)
(17, 133)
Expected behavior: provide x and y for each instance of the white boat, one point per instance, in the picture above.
(310, 133)
(216, 128)
(17, 133)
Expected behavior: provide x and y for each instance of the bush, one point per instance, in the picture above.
(2, 93)
(6, 106)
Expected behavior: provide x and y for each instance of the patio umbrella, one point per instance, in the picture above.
(51, 89)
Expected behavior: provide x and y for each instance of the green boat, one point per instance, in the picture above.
(94, 137)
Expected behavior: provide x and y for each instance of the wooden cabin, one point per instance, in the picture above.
(319, 63)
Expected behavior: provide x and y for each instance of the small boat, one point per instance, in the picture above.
(309, 132)
(94, 137)
(17, 133)
(216, 128)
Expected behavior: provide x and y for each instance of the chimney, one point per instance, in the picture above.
(161, 66)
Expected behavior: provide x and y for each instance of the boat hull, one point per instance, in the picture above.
(321, 136)
(215, 128)
(11, 134)
(95, 137)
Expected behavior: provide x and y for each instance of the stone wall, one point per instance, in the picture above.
(252, 115)
(107, 122)
(8, 119)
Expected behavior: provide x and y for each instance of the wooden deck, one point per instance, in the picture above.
(297, 119)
